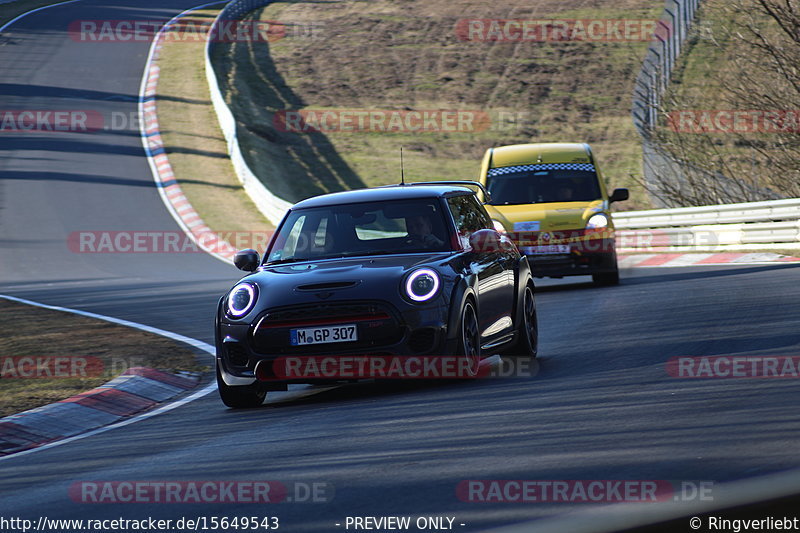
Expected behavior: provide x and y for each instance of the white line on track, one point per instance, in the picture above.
(23, 15)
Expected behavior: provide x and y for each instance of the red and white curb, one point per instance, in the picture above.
(171, 193)
(137, 390)
(700, 259)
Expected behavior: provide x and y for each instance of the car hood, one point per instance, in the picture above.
(366, 278)
(550, 216)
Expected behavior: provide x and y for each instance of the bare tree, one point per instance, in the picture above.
(757, 74)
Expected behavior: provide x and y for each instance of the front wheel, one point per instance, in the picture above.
(527, 344)
(239, 397)
(469, 341)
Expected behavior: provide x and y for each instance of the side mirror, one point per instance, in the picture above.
(619, 195)
(247, 260)
(485, 241)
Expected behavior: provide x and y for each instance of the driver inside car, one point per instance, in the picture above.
(420, 231)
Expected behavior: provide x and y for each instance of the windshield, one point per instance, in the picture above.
(350, 230)
(534, 184)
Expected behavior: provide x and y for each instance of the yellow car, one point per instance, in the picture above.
(551, 198)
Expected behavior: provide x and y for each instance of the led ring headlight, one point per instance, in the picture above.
(241, 300)
(422, 284)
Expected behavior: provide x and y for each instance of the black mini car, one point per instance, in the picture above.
(369, 275)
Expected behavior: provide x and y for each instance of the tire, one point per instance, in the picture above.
(239, 397)
(606, 279)
(527, 334)
(469, 339)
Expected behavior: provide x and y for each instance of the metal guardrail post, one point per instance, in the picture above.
(672, 42)
(653, 81)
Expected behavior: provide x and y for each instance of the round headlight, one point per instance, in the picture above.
(599, 220)
(422, 284)
(241, 299)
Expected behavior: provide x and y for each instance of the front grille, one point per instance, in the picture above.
(376, 322)
(237, 355)
(322, 313)
(422, 340)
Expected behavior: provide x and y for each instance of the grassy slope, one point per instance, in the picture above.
(389, 55)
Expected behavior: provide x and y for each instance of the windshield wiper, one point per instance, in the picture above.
(287, 260)
(360, 254)
(339, 255)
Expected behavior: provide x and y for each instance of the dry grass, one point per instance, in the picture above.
(42, 333)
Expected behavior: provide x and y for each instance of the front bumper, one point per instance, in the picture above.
(556, 266)
(569, 253)
(257, 351)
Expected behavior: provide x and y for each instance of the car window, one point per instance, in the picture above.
(376, 225)
(533, 184)
(304, 236)
(293, 236)
(351, 230)
(321, 236)
(486, 220)
(468, 214)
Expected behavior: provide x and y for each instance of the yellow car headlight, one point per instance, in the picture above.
(498, 226)
(598, 220)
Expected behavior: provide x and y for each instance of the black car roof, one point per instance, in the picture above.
(378, 194)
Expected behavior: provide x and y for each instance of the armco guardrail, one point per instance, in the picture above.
(270, 205)
(747, 226)
(772, 211)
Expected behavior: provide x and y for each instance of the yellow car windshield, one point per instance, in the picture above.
(534, 184)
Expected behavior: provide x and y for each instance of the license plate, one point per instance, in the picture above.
(323, 335)
(546, 249)
(530, 225)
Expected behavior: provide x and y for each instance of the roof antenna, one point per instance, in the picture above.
(402, 172)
